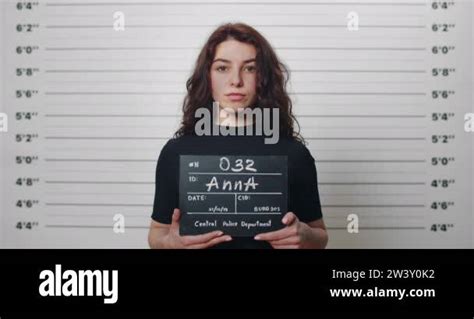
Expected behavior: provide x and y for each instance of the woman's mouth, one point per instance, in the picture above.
(235, 97)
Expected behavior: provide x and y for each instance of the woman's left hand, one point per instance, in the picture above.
(296, 234)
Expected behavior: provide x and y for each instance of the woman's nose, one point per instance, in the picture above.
(236, 79)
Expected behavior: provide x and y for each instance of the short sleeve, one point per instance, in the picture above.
(304, 194)
(166, 186)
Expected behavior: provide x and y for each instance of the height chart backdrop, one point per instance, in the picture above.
(380, 89)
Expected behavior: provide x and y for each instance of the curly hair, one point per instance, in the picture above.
(272, 79)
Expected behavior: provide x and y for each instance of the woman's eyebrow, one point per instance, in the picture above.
(227, 61)
(221, 60)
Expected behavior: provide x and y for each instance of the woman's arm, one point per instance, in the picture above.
(319, 235)
(157, 235)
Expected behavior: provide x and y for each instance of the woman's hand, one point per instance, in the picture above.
(175, 241)
(296, 235)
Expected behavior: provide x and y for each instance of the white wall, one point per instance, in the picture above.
(2, 110)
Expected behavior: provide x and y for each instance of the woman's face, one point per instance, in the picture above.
(233, 74)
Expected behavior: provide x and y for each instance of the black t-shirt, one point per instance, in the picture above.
(303, 195)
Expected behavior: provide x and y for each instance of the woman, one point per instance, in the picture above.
(238, 69)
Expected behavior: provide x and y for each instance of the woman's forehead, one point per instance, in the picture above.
(233, 50)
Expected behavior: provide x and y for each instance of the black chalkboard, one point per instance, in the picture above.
(240, 195)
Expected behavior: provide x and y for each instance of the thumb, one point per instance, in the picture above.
(289, 218)
(176, 216)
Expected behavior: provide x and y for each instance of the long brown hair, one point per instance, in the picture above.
(272, 79)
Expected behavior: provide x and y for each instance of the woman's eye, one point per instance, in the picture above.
(250, 68)
(221, 68)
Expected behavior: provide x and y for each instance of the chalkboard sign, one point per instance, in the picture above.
(240, 195)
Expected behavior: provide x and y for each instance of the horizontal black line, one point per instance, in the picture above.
(384, 228)
(151, 160)
(170, 115)
(197, 48)
(185, 3)
(374, 183)
(358, 93)
(361, 71)
(366, 116)
(165, 138)
(113, 93)
(92, 226)
(111, 115)
(370, 194)
(371, 161)
(293, 93)
(97, 204)
(103, 138)
(113, 70)
(368, 138)
(95, 160)
(128, 182)
(87, 214)
(321, 183)
(97, 182)
(146, 227)
(340, 26)
(117, 48)
(372, 205)
(186, 70)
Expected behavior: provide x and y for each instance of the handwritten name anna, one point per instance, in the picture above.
(233, 186)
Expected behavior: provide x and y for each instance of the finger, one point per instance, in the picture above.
(276, 235)
(211, 243)
(285, 246)
(200, 239)
(289, 218)
(176, 216)
(293, 240)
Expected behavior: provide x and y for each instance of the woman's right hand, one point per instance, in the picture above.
(175, 241)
